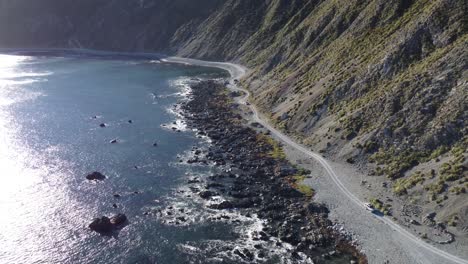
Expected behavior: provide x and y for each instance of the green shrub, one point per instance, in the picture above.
(436, 188)
(458, 190)
(301, 187)
(439, 151)
(451, 171)
(395, 162)
(453, 221)
(402, 185)
(381, 206)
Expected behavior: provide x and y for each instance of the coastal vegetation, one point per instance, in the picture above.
(298, 183)
(381, 206)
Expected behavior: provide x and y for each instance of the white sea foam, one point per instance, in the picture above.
(183, 84)
(186, 208)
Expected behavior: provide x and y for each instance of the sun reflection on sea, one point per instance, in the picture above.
(26, 199)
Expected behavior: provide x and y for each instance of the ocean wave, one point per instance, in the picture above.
(185, 208)
(183, 84)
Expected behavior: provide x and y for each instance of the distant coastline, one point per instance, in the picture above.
(101, 54)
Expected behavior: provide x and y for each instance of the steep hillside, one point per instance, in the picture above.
(100, 24)
(382, 84)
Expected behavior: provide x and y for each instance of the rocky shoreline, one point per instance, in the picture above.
(258, 181)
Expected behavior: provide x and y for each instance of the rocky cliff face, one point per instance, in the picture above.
(379, 83)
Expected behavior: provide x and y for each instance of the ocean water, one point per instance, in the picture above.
(51, 109)
(50, 138)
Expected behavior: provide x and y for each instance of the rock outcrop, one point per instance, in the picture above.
(96, 176)
(106, 225)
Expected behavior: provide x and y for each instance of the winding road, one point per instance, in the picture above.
(237, 72)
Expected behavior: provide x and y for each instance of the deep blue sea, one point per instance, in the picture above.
(51, 109)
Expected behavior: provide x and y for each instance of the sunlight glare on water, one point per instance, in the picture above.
(23, 199)
(51, 108)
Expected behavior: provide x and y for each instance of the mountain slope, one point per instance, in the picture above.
(379, 83)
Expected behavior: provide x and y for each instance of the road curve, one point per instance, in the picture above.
(237, 72)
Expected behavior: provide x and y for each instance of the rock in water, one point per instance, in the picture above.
(101, 225)
(118, 219)
(96, 176)
(206, 194)
(222, 206)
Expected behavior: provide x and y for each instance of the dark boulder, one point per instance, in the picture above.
(96, 176)
(289, 192)
(314, 208)
(214, 185)
(206, 194)
(244, 203)
(193, 181)
(223, 205)
(101, 225)
(244, 254)
(118, 219)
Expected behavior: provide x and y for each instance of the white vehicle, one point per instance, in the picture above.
(369, 207)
